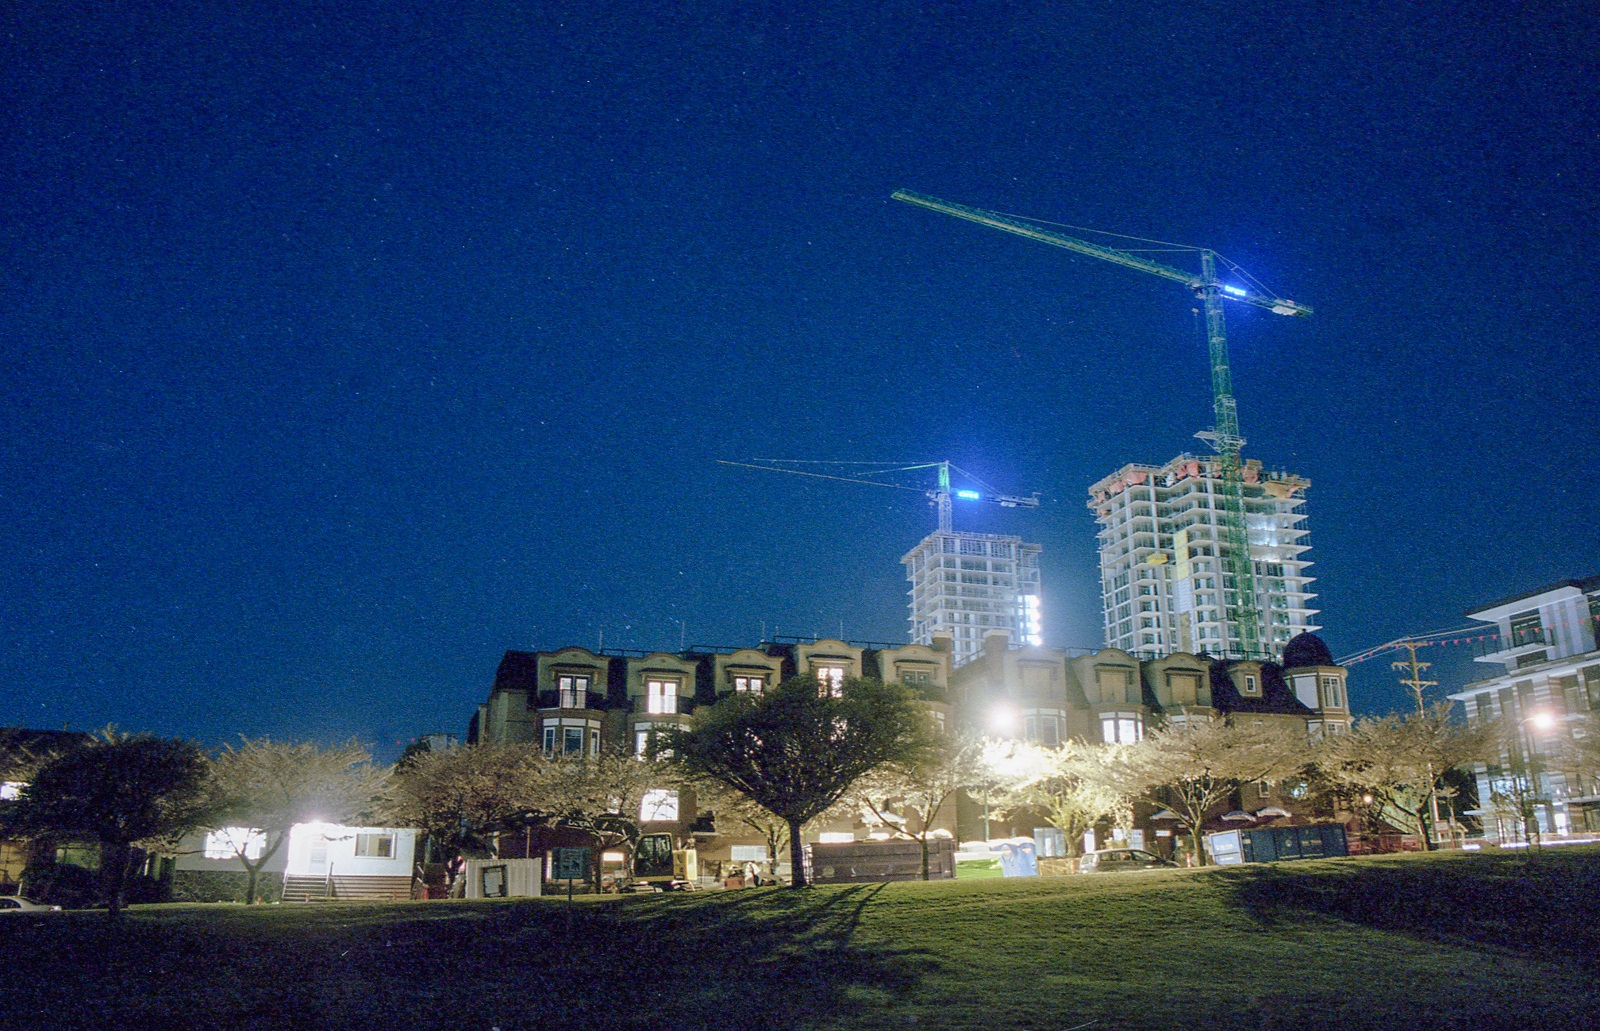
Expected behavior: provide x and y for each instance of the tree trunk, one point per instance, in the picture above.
(924, 840)
(797, 855)
(252, 876)
(1422, 831)
(114, 860)
(1197, 845)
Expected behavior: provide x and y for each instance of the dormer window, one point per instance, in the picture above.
(661, 696)
(1251, 686)
(749, 685)
(830, 680)
(572, 691)
(1332, 693)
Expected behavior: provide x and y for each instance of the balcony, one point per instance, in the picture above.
(1522, 643)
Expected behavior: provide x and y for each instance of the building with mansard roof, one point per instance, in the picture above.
(573, 701)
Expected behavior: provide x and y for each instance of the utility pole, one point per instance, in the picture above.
(1418, 685)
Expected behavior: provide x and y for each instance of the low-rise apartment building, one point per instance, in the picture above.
(1546, 684)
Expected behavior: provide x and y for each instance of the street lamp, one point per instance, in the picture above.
(1542, 721)
(1002, 722)
(1003, 719)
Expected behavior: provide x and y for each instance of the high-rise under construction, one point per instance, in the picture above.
(1165, 572)
(967, 584)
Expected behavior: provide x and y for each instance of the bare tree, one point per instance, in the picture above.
(1195, 765)
(1075, 785)
(732, 806)
(909, 795)
(262, 788)
(797, 749)
(1400, 761)
(463, 795)
(600, 794)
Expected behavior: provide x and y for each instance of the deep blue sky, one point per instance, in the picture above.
(348, 345)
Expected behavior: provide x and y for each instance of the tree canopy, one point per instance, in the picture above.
(266, 787)
(1075, 785)
(1400, 760)
(460, 796)
(797, 748)
(119, 792)
(1192, 766)
(910, 794)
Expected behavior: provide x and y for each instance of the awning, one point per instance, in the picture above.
(1239, 815)
(1165, 814)
(1271, 811)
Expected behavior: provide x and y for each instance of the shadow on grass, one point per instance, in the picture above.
(755, 959)
(1547, 906)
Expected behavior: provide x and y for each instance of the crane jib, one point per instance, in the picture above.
(996, 220)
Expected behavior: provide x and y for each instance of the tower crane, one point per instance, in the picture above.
(1224, 436)
(940, 495)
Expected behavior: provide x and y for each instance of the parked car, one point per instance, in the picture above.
(15, 904)
(1116, 860)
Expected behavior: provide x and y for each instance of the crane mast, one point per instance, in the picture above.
(1224, 437)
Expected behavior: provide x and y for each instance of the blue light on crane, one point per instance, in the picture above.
(969, 495)
(1235, 291)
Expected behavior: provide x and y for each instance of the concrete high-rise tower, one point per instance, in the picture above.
(968, 584)
(1165, 578)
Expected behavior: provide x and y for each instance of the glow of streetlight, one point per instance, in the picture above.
(1542, 721)
(1003, 719)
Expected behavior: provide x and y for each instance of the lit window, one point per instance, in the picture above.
(662, 696)
(1121, 727)
(573, 691)
(227, 842)
(830, 680)
(916, 677)
(749, 685)
(12, 788)
(375, 846)
(658, 804)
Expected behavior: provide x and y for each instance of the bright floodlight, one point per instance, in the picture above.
(1542, 720)
(1235, 291)
(970, 495)
(1003, 719)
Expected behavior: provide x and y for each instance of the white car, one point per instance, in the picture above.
(16, 904)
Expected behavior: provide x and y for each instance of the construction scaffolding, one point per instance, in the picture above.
(1167, 560)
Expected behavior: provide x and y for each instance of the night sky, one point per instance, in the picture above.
(349, 345)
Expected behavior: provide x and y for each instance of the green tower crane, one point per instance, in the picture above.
(1224, 436)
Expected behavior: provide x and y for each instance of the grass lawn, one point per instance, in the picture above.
(1469, 941)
